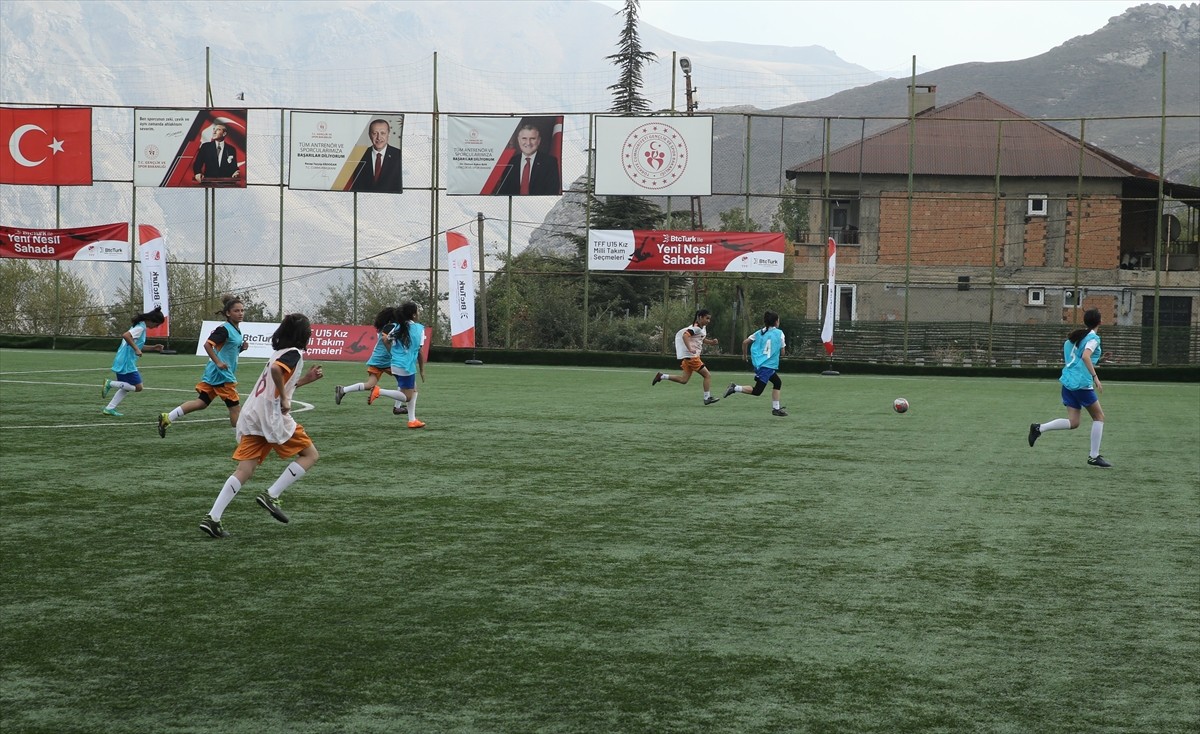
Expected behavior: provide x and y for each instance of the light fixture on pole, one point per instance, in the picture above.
(692, 103)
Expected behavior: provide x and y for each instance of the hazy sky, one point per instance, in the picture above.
(884, 35)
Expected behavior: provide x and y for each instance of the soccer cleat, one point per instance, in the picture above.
(164, 420)
(657, 379)
(213, 527)
(731, 390)
(272, 505)
(416, 424)
(339, 392)
(402, 410)
(104, 390)
(710, 400)
(779, 412)
(113, 412)
(1099, 461)
(373, 396)
(1035, 430)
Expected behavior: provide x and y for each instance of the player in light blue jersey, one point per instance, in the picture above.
(125, 363)
(1080, 385)
(406, 339)
(764, 348)
(223, 346)
(379, 363)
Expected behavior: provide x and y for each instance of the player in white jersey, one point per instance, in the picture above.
(266, 424)
(689, 343)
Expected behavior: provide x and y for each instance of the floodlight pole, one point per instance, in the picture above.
(686, 64)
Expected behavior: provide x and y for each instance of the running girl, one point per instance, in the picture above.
(267, 425)
(223, 346)
(125, 363)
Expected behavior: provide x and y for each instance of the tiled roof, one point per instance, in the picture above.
(959, 139)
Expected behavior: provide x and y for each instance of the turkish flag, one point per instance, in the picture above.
(46, 146)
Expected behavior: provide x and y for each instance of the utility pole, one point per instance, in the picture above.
(692, 103)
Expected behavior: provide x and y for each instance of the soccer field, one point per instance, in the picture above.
(573, 550)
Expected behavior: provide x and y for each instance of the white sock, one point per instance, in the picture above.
(175, 414)
(228, 492)
(356, 387)
(1097, 434)
(393, 394)
(120, 394)
(412, 407)
(775, 404)
(291, 473)
(707, 394)
(1058, 424)
(121, 385)
(737, 388)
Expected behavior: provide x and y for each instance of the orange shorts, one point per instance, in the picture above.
(227, 392)
(378, 372)
(257, 447)
(690, 365)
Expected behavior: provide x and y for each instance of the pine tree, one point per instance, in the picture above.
(630, 58)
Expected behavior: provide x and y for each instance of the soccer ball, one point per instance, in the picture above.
(900, 405)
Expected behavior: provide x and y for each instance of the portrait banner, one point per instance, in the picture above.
(342, 151)
(46, 146)
(665, 156)
(504, 156)
(101, 242)
(713, 252)
(189, 148)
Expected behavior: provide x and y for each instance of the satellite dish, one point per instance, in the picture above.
(1170, 227)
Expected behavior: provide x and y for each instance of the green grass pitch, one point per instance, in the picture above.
(573, 550)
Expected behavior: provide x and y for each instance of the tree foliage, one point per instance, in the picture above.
(193, 300)
(629, 59)
(791, 216)
(375, 292)
(31, 303)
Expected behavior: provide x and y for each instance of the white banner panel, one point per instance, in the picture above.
(665, 156)
(462, 291)
(153, 253)
(504, 156)
(256, 333)
(341, 151)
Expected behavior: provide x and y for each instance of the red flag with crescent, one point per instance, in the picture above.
(46, 146)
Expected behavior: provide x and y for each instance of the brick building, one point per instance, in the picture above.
(1010, 220)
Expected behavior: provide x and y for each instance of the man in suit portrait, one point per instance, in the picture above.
(217, 158)
(531, 172)
(379, 169)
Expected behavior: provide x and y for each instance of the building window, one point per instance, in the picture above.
(1037, 205)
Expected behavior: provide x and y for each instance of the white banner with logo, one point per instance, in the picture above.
(664, 156)
(152, 251)
(343, 151)
(462, 291)
(257, 335)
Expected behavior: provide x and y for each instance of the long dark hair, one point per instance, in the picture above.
(154, 316)
(385, 317)
(1091, 319)
(407, 314)
(293, 331)
(770, 318)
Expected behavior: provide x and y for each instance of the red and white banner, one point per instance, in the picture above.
(487, 156)
(668, 156)
(462, 291)
(830, 300)
(102, 242)
(721, 252)
(333, 342)
(46, 146)
(190, 148)
(153, 253)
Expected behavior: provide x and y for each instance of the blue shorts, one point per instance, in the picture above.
(764, 374)
(406, 382)
(1078, 398)
(133, 378)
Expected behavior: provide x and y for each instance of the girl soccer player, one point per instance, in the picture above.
(765, 347)
(1080, 385)
(405, 340)
(378, 363)
(224, 345)
(266, 424)
(125, 363)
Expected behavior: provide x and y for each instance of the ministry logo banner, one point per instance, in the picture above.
(663, 156)
(504, 156)
(190, 148)
(339, 151)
